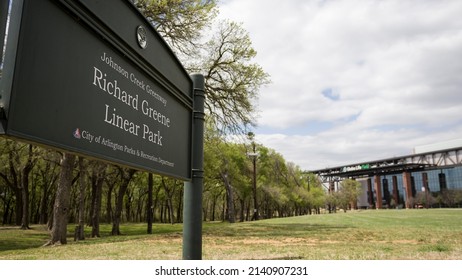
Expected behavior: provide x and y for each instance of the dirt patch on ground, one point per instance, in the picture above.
(411, 242)
(276, 242)
(400, 242)
(166, 239)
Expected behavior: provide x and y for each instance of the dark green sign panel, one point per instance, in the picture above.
(93, 77)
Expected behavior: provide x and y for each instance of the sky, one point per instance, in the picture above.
(354, 80)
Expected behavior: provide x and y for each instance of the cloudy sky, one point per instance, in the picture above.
(355, 80)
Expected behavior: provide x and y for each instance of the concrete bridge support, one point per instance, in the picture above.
(426, 189)
(378, 191)
(370, 194)
(408, 188)
(394, 181)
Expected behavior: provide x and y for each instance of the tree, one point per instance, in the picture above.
(97, 178)
(25, 171)
(213, 188)
(61, 205)
(170, 187)
(318, 198)
(21, 160)
(126, 175)
(349, 192)
(425, 199)
(451, 197)
(47, 173)
(273, 174)
(458, 197)
(227, 171)
(10, 176)
(226, 167)
(232, 81)
(180, 22)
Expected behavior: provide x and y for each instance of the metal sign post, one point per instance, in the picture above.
(192, 211)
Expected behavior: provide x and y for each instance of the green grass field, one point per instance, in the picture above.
(359, 235)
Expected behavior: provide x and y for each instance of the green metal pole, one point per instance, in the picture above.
(192, 210)
(13, 10)
(4, 4)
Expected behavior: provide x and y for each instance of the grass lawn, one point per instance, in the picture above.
(359, 235)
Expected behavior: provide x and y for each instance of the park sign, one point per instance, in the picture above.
(94, 78)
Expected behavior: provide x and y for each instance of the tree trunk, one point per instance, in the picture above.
(97, 186)
(162, 212)
(126, 178)
(96, 208)
(139, 216)
(110, 187)
(34, 208)
(61, 206)
(128, 205)
(79, 234)
(231, 216)
(14, 184)
(18, 207)
(179, 211)
(48, 182)
(214, 204)
(92, 198)
(25, 198)
(149, 207)
(170, 210)
(154, 207)
(169, 193)
(25, 192)
(247, 215)
(242, 217)
(6, 210)
(205, 210)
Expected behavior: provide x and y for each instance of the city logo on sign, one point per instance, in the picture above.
(141, 35)
(77, 133)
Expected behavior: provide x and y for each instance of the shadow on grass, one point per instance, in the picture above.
(14, 238)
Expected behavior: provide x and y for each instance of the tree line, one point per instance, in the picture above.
(106, 193)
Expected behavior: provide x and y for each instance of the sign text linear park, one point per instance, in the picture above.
(147, 132)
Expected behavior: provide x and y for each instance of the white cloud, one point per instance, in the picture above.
(393, 66)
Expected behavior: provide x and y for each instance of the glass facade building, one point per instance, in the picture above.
(438, 181)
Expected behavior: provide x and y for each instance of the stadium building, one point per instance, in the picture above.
(429, 177)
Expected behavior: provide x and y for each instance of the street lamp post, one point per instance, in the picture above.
(255, 203)
(254, 155)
